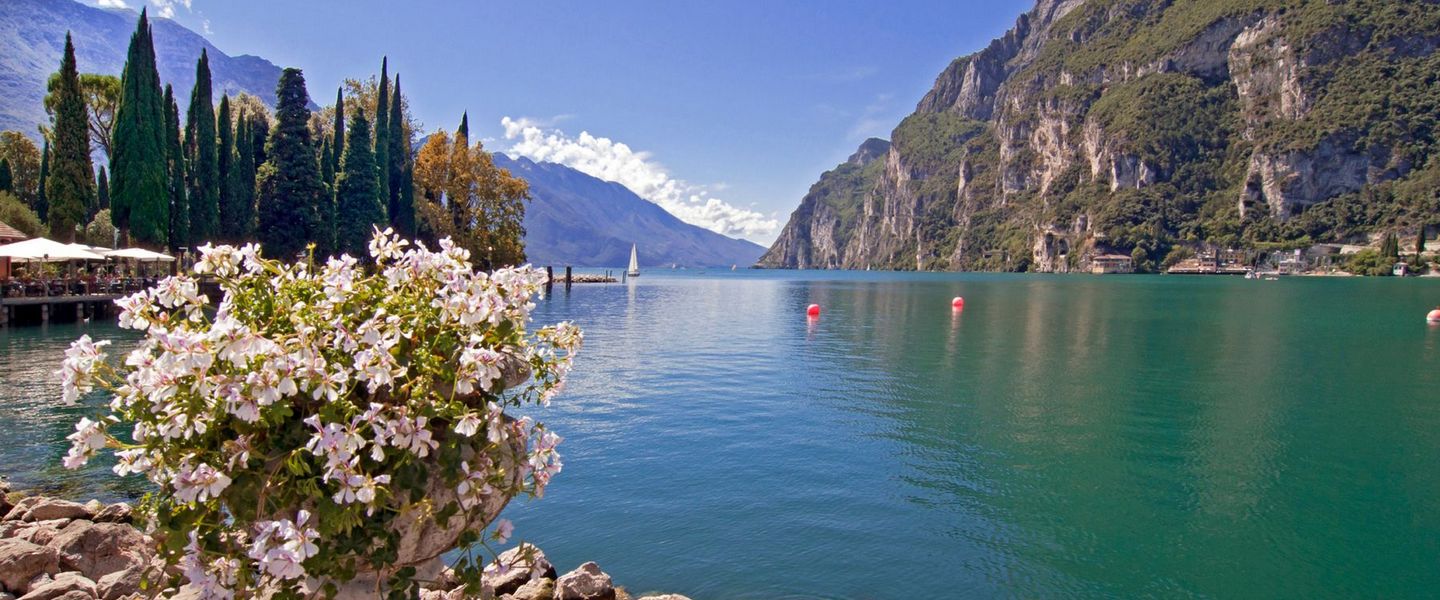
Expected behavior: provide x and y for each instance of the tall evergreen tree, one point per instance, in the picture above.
(225, 160)
(382, 129)
(1419, 244)
(102, 191)
(290, 194)
(400, 203)
(176, 204)
(243, 180)
(42, 204)
(464, 129)
(71, 181)
(139, 197)
(7, 179)
(337, 149)
(358, 193)
(327, 163)
(259, 137)
(202, 160)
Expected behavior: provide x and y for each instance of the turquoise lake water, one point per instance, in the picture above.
(1063, 436)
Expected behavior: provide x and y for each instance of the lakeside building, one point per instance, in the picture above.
(1212, 261)
(1106, 264)
(8, 235)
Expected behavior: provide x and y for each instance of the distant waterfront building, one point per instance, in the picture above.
(1111, 263)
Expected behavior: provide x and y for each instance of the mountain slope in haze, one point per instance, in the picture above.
(1144, 126)
(32, 37)
(575, 219)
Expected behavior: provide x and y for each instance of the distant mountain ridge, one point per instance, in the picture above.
(576, 219)
(1148, 127)
(32, 36)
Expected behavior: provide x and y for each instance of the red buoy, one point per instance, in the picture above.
(813, 310)
(958, 302)
(1433, 317)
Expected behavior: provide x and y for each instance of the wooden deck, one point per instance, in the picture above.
(85, 304)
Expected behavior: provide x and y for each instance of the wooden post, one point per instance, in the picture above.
(5, 316)
(44, 313)
(568, 277)
(549, 278)
(79, 311)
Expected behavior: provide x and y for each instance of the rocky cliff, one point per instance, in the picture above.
(1137, 126)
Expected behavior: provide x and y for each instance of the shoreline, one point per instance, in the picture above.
(53, 548)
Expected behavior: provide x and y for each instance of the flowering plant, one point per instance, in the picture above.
(292, 430)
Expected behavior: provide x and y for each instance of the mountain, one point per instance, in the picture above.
(575, 219)
(32, 36)
(1145, 127)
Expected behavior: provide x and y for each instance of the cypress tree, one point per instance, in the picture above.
(327, 164)
(7, 180)
(71, 181)
(243, 180)
(176, 204)
(139, 196)
(337, 149)
(399, 205)
(1419, 244)
(358, 193)
(102, 191)
(290, 192)
(42, 204)
(202, 166)
(232, 228)
(382, 130)
(259, 136)
(464, 128)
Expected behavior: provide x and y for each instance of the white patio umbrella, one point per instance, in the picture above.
(43, 250)
(139, 254)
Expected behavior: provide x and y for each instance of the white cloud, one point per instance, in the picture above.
(112, 4)
(167, 7)
(610, 160)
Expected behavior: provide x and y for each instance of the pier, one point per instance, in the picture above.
(48, 307)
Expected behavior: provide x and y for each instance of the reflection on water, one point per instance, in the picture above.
(1059, 436)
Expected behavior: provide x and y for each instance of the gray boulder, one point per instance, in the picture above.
(99, 549)
(53, 508)
(65, 586)
(535, 589)
(587, 582)
(22, 561)
(119, 512)
(515, 567)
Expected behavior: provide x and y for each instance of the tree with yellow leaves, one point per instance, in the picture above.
(460, 193)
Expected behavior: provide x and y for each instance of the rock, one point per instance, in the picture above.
(99, 549)
(455, 594)
(51, 508)
(41, 532)
(119, 584)
(119, 512)
(65, 586)
(535, 589)
(21, 561)
(665, 597)
(587, 582)
(23, 506)
(520, 564)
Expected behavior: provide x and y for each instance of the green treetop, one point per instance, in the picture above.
(401, 201)
(337, 149)
(102, 192)
(42, 205)
(242, 176)
(383, 115)
(202, 166)
(69, 186)
(358, 192)
(138, 195)
(290, 191)
(7, 181)
(177, 206)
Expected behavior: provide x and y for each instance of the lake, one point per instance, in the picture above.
(1071, 436)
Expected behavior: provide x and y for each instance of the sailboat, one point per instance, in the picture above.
(634, 270)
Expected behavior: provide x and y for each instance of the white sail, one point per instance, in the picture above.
(634, 263)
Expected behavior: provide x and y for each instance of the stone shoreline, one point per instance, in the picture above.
(54, 549)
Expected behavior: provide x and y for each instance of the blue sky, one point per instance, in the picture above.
(724, 112)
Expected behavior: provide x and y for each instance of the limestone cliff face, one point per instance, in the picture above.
(1117, 125)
